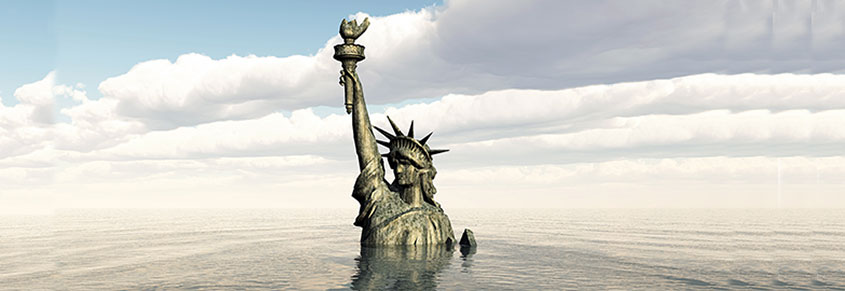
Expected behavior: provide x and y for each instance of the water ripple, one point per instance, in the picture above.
(518, 249)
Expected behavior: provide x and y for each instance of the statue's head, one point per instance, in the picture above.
(409, 158)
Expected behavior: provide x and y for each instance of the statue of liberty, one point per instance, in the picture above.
(402, 212)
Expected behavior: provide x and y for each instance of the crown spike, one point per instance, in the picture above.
(385, 133)
(425, 139)
(395, 128)
(434, 152)
(384, 143)
(411, 130)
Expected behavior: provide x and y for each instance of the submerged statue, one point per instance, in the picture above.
(403, 212)
(402, 267)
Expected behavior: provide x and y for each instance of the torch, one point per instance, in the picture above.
(349, 54)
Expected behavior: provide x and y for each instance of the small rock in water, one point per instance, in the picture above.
(468, 239)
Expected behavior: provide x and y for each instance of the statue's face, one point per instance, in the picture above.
(405, 172)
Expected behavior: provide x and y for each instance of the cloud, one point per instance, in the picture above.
(196, 89)
(468, 47)
(28, 125)
(603, 101)
(548, 44)
(697, 133)
(712, 133)
(698, 115)
(35, 102)
(661, 182)
(693, 116)
(275, 134)
(707, 182)
(542, 111)
(704, 170)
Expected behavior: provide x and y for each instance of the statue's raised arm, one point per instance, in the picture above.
(403, 212)
(349, 54)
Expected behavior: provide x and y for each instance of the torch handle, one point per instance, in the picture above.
(349, 83)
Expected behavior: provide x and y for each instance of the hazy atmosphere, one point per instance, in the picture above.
(543, 104)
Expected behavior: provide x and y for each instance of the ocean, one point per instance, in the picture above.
(524, 249)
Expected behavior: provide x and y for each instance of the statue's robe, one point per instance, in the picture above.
(387, 220)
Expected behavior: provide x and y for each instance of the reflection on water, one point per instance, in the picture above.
(518, 250)
(400, 267)
(466, 257)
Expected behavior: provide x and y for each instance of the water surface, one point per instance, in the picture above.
(518, 249)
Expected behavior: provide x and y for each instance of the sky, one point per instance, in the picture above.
(543, 104)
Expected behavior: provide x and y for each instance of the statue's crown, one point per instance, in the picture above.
(406, 146)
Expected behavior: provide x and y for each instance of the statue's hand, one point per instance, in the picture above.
(349, 80)
(346, 72)
(352, 74)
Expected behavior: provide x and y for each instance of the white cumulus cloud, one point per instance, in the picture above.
(471, 47)
(567, 104)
